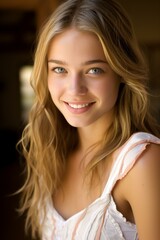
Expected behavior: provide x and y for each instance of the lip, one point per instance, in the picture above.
(78, 107)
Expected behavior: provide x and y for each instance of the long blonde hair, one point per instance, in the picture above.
(48, 139)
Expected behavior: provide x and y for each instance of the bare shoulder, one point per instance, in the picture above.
(145, 171)
(145, 174)
(142, 191)
(147, 166)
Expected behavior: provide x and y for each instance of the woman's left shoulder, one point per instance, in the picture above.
(149, 155)
(148, 163)
(144, 177)
(142, 192)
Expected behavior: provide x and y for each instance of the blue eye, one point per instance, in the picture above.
(95, 71)
(59, 70)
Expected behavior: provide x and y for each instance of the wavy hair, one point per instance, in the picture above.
(48, 139)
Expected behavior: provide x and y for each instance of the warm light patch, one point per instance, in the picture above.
(26, 91)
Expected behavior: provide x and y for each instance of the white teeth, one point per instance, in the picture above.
(78, 105)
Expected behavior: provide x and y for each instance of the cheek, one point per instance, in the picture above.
(53, 86)
(110, 95)
(109, 90)
(56, 90)
(51, 89)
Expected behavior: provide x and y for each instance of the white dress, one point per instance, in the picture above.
(100, 220)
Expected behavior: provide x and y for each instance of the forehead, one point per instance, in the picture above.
(76, 42)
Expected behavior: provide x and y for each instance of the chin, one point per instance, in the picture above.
(77, 124)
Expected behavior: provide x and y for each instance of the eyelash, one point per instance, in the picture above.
(61, 70)
(99, 71)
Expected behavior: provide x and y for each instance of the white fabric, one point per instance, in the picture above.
(101, 220)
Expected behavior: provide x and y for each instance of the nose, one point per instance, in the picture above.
(77, 85)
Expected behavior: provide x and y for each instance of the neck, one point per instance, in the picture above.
(91, 135)
(88, 138)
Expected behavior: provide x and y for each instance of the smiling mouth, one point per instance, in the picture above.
(79, 106)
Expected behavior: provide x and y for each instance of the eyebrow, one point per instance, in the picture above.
(85, 63)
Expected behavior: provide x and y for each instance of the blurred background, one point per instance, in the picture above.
(20, 21)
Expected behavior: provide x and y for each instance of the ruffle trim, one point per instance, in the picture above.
(120, 215)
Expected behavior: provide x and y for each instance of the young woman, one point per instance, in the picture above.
(91, 146)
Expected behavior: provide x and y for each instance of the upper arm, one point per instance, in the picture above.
(143, 193)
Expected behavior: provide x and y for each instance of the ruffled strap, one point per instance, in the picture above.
(127, 157)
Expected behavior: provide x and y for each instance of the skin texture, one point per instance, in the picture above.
(84, 88)
(140, 190)
(79, 74)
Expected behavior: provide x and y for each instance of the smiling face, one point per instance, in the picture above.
(81, 83)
